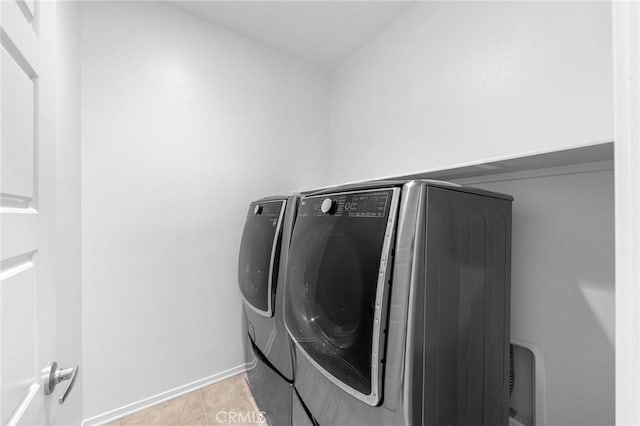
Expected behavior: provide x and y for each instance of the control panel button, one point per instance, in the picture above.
(328, 206)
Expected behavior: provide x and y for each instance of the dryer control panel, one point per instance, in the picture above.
(359, 204)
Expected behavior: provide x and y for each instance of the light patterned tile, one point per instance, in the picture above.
(224, 395)
(149, 417)
(183, 410)
(231, 402)
(196, 421)
(226, 402)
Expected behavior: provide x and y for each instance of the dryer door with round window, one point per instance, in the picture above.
(259, 255)
(337, 281)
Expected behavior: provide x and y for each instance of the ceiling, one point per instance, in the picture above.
(322, 32)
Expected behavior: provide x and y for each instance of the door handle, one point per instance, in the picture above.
(54, 375)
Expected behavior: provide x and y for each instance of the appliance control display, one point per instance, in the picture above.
(369, 205)
(268, 210)
(354, 205)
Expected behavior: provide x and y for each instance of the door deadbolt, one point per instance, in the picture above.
(54, 375)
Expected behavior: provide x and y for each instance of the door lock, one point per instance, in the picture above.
(54, 375)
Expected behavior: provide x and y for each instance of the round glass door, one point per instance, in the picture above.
(259, 254)
(332, 280)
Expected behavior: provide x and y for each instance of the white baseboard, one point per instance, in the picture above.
(129, 409)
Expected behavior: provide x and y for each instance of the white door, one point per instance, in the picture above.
(27, 213)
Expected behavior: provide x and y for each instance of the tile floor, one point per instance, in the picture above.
(227, 402)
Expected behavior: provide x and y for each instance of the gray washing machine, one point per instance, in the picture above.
(268, 351)
(397, 301)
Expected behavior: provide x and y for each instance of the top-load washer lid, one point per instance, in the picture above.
(259, 254)
(338, 276)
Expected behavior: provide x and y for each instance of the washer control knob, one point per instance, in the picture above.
(328, 206)
(257, 209)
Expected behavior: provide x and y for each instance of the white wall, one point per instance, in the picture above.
(455, 82)
(183, 124)
(68, 220)
(563, 291)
